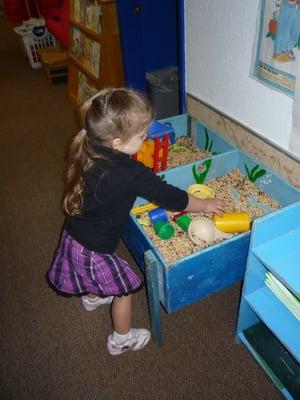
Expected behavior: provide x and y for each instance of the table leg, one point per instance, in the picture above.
(152, 282)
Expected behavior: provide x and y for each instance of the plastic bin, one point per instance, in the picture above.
(34, 37)
(163, 91)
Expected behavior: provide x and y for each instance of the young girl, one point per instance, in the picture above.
(103, 182)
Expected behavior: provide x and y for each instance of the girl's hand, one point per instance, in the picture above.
(205, 205)
(215, 206)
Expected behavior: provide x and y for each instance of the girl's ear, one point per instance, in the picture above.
(117, 144)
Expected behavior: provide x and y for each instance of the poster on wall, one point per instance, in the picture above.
(278, 44)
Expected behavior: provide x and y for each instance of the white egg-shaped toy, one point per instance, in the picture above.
(202, 228)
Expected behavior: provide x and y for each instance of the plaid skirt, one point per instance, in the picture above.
(77, 270)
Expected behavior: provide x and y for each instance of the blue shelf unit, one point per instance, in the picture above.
(189, 279)
(274, 247)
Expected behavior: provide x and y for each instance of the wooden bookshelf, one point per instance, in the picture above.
(95, 60)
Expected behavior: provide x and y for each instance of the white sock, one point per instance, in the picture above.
(120, 339)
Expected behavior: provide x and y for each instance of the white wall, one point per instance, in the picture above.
(219, 44)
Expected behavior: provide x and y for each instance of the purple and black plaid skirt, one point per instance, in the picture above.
(77, 270)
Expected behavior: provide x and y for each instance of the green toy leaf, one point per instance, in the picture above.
(247, 170)
(255, 172)
(254, 169)
(195, 173)
(208, 143)
(206, 139)
(200, 177)
(259, 174)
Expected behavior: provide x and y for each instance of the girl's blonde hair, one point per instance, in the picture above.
(110, 114)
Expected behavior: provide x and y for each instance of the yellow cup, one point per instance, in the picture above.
(232, 222)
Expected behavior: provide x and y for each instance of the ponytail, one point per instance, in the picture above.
(78, 163)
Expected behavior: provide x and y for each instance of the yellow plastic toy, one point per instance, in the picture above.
(232, 222)
(144, 208)
(201, 191)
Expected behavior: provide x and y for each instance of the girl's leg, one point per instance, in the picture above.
(124, 338)
(121, 314)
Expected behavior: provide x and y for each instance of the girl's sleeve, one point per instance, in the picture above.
(148, 185)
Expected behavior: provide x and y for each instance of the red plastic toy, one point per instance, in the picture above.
(162, 135)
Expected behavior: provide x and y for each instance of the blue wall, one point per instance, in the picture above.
(149, 38)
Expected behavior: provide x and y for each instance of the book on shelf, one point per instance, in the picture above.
(93, 16)
(283, 294)
(77, 45)
(87, 53)
(98, 17)
(89, 16)
(85, 89)
(95, 59)
(79, 11)
(76, 10)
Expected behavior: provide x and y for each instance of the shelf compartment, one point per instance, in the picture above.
(282, 368)
(277, 317)
(86, 51)
(86, 30)
(281, 256)
(82, 67)
(87, 14)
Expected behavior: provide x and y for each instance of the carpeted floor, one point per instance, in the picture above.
(51, 348)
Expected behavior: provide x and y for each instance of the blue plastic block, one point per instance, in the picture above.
(157, 129)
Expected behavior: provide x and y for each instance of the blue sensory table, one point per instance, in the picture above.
(189, 279)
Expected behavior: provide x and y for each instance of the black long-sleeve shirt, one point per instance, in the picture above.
(111, 188)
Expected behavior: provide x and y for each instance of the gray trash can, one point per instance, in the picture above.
(163, 91)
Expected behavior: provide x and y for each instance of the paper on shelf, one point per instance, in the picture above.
(283, 294)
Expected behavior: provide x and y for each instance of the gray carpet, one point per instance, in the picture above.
(51, 348)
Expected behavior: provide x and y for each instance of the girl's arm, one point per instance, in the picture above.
(205, 205)
(145, 183)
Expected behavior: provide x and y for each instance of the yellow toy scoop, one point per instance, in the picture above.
(201, 191)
